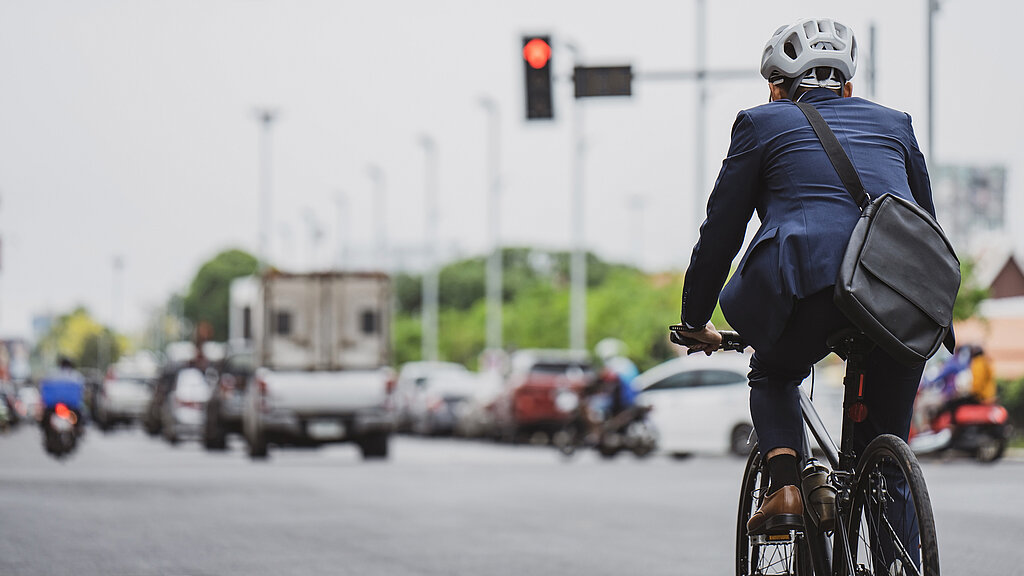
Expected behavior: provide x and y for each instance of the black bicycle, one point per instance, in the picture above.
(864, 514)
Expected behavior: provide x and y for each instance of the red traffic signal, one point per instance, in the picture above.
(537, 53)
(537, 64)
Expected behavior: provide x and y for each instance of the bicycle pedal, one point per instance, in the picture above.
(777, 539)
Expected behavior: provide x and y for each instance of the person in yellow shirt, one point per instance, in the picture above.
(983, 378)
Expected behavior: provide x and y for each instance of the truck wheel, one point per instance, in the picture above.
(214, 437)
(102, 418)
(374, 446)
(258, 447)
(170, 435)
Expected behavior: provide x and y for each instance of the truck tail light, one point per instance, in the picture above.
(261, 390)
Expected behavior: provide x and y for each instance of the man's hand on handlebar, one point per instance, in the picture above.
(708, 340)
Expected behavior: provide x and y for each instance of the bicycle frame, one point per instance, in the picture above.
(850, 489)
(853, 347)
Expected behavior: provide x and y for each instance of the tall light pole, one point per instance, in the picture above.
(266, 117)
(700, 194)
(578, 259)
(636, 204)
(341, 230)
(315, 235)
(430, 275)
(494, 260)
(933, 7)
(117, 292)
(872, 62)
(380, 215)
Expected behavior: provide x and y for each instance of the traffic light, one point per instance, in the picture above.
(537, 62)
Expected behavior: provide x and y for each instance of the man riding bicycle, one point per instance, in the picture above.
(780, 296)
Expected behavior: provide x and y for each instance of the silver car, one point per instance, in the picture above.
(126, 391)
(184, 411)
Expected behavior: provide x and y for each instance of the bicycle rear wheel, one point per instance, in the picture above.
(891, 527)
(763, 556)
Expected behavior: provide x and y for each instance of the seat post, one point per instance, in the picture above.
(854, 346)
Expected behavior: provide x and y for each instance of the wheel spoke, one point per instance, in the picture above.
(892, 513)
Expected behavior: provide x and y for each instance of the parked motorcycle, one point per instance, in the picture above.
(629, 430)
(979, 430)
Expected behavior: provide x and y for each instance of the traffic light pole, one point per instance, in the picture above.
(577, 206)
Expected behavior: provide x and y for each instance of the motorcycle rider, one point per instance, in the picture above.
(619, 372)
(975, 364)
(66, 386)
(983, 377)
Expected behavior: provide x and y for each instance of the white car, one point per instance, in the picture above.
(700, 404)
(185, 408)
(411, 379)
(441, 400)
(126, 391)
(475, 417)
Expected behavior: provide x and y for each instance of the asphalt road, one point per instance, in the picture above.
(129, 505)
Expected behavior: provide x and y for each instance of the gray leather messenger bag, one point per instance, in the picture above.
(899, 276)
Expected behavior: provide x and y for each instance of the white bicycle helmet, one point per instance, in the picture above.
(808, 44)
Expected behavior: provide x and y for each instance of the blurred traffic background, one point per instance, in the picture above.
(443, 234)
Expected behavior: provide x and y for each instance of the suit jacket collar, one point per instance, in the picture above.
(818, 95)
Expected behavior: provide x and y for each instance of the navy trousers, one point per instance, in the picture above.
(889, 386)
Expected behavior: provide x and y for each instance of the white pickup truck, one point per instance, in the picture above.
(321, 343)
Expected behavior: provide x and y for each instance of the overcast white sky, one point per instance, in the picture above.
(127, 128)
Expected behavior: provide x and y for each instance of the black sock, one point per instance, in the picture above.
(782, 471)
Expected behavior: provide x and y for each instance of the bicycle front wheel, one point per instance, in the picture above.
(891, 527)
(780, 555)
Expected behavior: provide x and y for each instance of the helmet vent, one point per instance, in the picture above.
(790, 48)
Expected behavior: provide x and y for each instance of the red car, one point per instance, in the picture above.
(526, 405)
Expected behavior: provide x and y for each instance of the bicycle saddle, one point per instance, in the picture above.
(847, 340)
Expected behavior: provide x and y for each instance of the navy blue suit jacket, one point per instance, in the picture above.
(777, 167)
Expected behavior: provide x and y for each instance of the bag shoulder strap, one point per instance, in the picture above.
(841, 162)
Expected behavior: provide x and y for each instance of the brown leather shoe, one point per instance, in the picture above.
(780, 512)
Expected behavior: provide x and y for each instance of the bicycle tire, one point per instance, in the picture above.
(783, 559)
(875, 516)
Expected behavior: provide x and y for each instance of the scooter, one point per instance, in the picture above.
(61, 428)
(629, 430)
(979, 430)
(61, 420)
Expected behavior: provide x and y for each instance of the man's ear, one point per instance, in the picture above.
(776, 92)
(848, 90)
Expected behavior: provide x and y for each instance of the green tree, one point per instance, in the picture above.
(623, 302)
(207, 297)
(82, 339)
(970, 295)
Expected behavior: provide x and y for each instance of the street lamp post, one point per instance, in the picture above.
(266, 117)
(342, 230)
(430, 275)
(117, 295)
(933, 7)
(636, 205)
(494, 261)
(700, 194)
(380, 208)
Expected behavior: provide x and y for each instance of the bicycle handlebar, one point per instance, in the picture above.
(730, 340)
